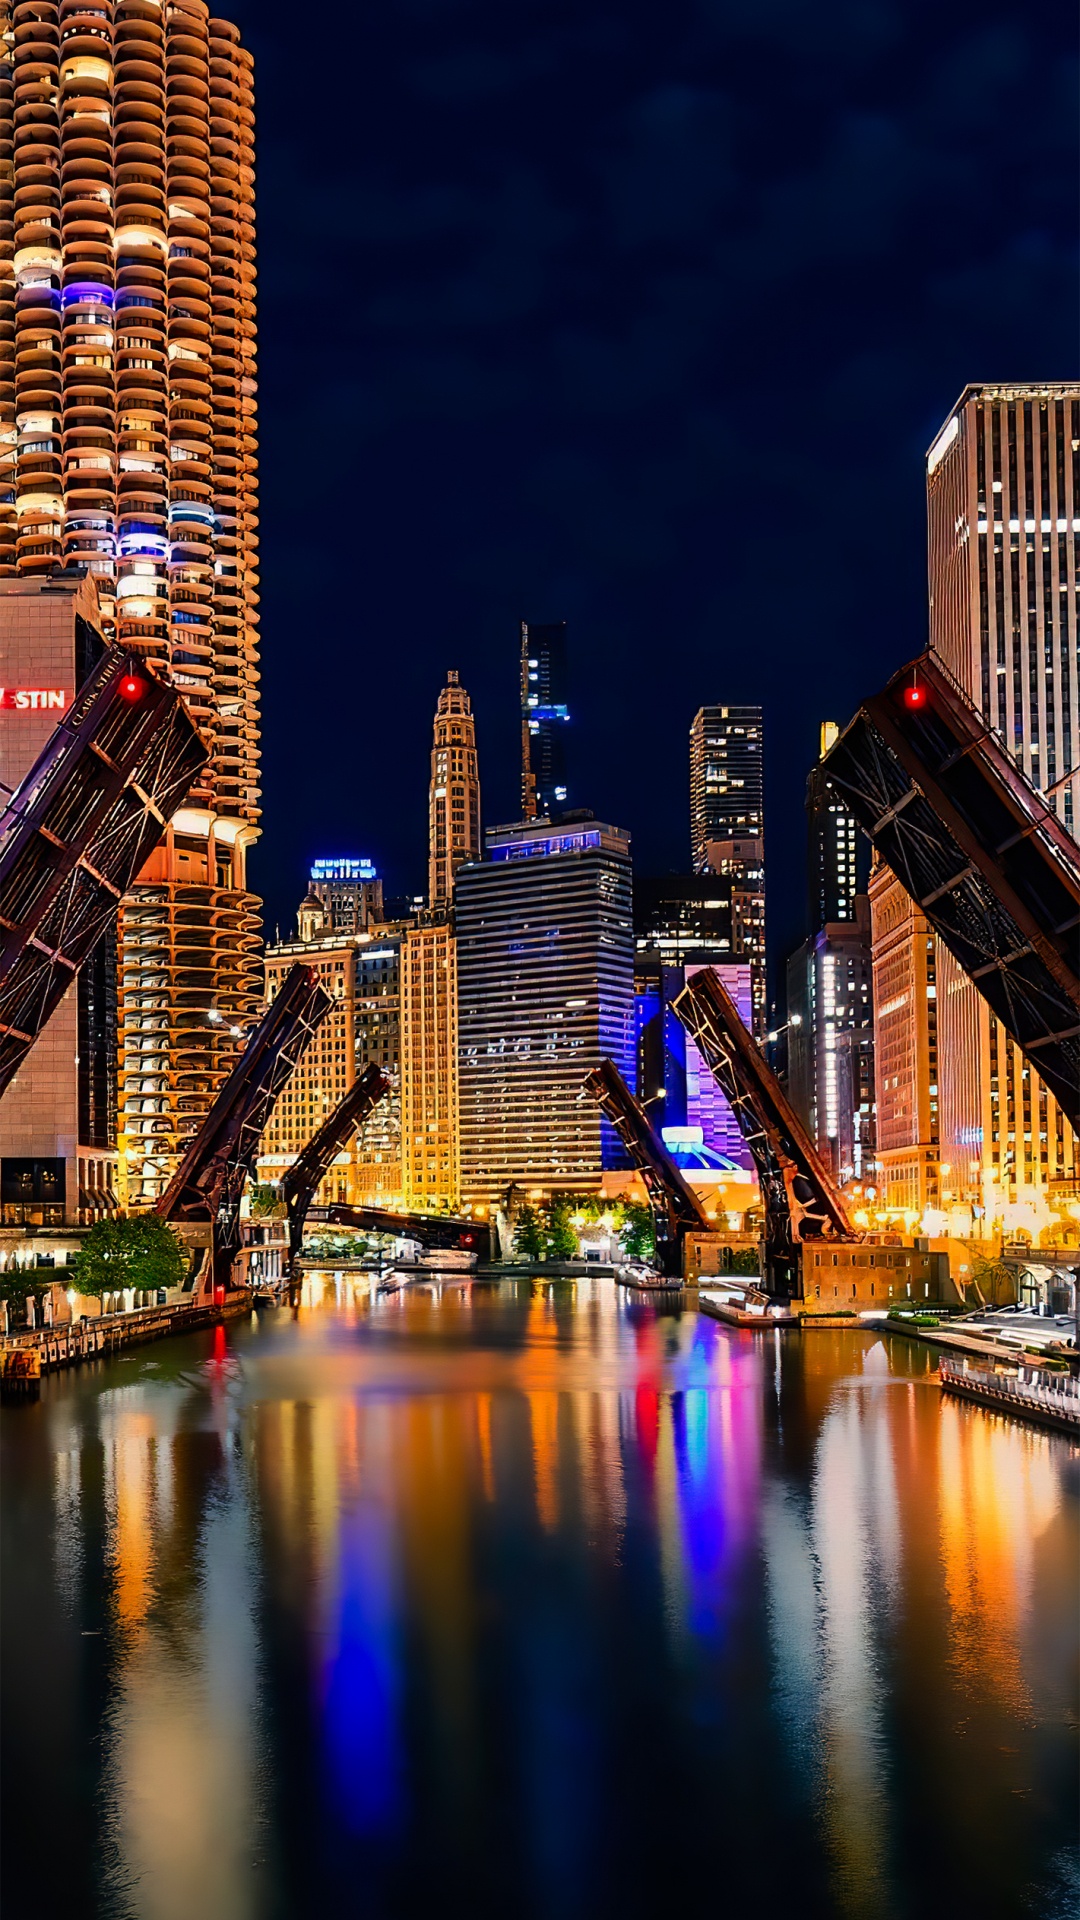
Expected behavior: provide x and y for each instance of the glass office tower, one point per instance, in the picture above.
(545, 956)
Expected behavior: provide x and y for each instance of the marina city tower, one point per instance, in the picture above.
(127, 424)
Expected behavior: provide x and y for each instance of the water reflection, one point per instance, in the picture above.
(466, 1593)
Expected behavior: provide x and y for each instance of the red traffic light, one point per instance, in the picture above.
(915, 695)
(132, 687)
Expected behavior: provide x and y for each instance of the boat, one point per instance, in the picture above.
(437, 1260)
(634, 1273)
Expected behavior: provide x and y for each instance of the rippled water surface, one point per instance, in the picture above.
(511, 1600)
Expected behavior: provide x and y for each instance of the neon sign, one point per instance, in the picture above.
(343, 869)
(34, 699)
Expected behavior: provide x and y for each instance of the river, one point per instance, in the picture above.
(518, 1600)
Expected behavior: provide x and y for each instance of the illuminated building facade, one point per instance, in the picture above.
(454, 792)
(58, 1116)
(831, 1049)
(905, 1000)
(360, 971)
(430, 1158)
(325, 1072)
(727, 826)
(378, 1041)
(681, 922)
(130, 444)
(545, 716)
(1003, 509)
(351, 892)
(545, 960)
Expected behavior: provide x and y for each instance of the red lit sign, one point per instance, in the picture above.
(34, 699)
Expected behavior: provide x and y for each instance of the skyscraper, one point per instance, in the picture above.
(545, 958)
(430, 1159)
(454, 793)
(831, 1050)
(837, 853)
(830, 1038)
(683, 922)
(545, 716)
(1003, 510)
(906, 1047)
(131, 294)
(727, 826)
(360, 970)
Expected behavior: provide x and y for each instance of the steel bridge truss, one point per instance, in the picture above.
(301, 1181)
(981, 854)
(443, 1231)
(208, 1185)
(78, 829)
(676, 1209)
(799, 1198)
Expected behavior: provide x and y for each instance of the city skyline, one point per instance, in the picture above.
(461, 1254)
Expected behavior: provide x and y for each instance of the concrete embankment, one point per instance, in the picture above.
(27, 1355)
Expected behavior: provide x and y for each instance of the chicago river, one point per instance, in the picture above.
(523, 1598)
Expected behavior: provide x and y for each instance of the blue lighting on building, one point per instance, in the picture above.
(343, 869)
(544, 844)
(87, 293)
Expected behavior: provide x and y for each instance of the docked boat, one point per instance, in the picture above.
(634, 1273)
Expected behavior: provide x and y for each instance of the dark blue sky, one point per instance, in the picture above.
(641, 316)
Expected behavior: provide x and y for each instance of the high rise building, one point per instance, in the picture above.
(351, 892)
(727, 827)
(430, 1157)
(325, 1072)
(682, 922)
(58, 1115)
(838, 860)
(831, 1049)
(1003, 508)
(906, 1048)
(454, 794)
(129, 437)
(360, 972)
(545, 716)
(378, 1042)
(545, 957)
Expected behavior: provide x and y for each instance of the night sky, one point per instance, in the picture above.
(641, 316)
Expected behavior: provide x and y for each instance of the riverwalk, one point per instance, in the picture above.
(1049, 1400)
(34, 1351)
